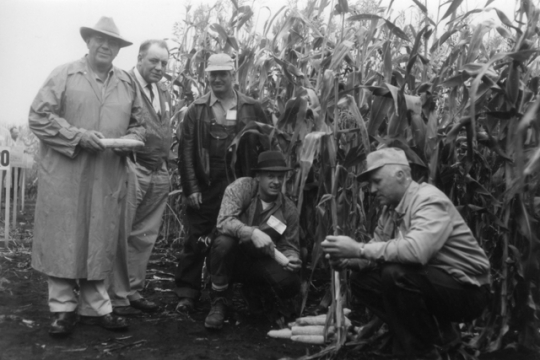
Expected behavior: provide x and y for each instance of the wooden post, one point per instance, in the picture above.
(6, 213)
(2, 174)
(23, 188)
(15, 193)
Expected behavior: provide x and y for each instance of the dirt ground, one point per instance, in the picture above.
(24, 319)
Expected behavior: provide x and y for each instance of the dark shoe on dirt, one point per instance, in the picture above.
(144, 305)
(215, 318)
(109, 322)
(185, 305)
(63, 323)
(126, 311)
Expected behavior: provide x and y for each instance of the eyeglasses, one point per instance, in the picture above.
(100, 40)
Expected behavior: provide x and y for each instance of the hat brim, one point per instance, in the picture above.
(219, 68)
(363, 177)
(273, 168)
(86, 32)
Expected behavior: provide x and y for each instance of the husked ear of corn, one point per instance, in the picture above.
(280, 334)
(119, 143)
(308, 339)
(311, 330)
(280, 258)
(317, 320)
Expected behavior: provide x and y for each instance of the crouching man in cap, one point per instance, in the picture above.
(423, 269)
(82, 184)
(254, 219)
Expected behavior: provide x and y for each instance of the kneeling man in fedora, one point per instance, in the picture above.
(254, 219)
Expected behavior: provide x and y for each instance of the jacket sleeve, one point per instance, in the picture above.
(137, 127)
(431, 225)
(290, 240)
(45, 118)
(235, 201)
(186, 153)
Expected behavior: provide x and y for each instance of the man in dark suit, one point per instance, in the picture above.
(148, 184)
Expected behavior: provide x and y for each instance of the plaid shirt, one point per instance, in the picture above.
(238, 216)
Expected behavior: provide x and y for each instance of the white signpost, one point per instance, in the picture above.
(11, 160)
(5, 168)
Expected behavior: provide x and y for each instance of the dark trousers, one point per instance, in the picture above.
(230, 261)
(200, 222)
(416, 301)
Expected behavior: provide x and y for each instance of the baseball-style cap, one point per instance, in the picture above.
(220, 62)
(379, 158)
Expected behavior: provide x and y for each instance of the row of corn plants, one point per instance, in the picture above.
(459, 97)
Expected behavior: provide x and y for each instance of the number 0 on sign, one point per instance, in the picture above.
(4, 158)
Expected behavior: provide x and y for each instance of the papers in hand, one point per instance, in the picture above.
(276, 224)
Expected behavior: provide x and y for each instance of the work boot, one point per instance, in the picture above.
(215, 318)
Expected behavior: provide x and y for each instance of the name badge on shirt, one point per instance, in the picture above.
(276, 224)
(231, 115)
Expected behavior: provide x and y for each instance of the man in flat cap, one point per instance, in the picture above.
(209, 127)
(148, 184)
(81, 183)
(423, 269)
(254, 219)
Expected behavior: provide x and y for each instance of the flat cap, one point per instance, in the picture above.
(386, 156)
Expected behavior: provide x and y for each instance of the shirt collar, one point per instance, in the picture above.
(94, 75)
(213, 98)
(401, 208)
(139, 77)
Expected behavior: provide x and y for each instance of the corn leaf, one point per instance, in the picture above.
(452, 8)
(395, 29)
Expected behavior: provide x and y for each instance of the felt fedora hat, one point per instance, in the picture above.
(220, 62)
(271, 161)
(386, 156)
(105, 26)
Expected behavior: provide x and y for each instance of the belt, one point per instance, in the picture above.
(157, 167)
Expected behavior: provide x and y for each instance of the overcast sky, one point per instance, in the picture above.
(38, 35)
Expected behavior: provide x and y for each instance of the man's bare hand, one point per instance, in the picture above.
(263, 242)
(90, 141)
(339, 264)
(195, 200)
(294, 264)
(122, 151)
(341, 247)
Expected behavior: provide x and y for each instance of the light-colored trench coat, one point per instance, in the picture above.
(79, 193)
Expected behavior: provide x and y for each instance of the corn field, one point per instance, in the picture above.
(342, 78)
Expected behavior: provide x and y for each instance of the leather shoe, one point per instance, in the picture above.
(126, 311)
(63, 323)
(109, 322)
(144, 305)
(185, 305)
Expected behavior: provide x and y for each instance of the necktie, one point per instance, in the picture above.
(149, 87)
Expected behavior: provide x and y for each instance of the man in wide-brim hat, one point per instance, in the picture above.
(254, 219)
(82, 184)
